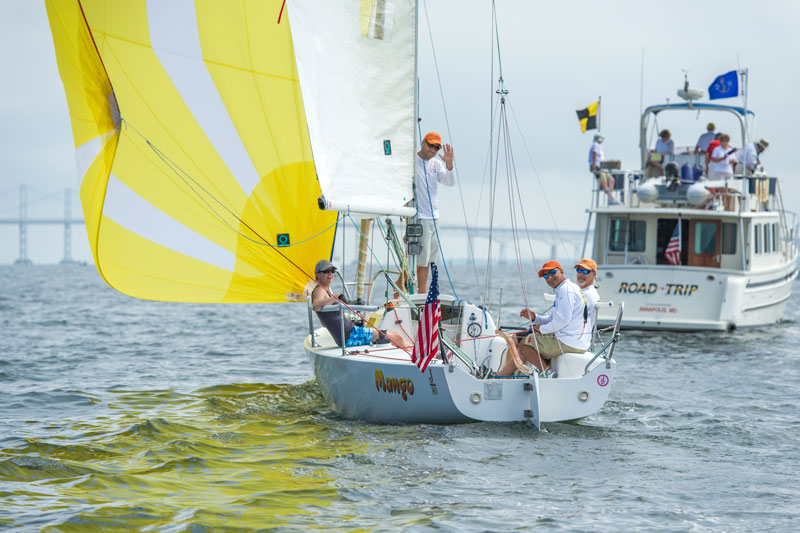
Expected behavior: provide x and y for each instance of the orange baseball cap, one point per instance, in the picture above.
(432, 138)
(587, 263)
(550, 265)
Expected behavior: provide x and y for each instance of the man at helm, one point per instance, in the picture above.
(563, 329)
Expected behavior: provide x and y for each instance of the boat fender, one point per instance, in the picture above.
(698, 194)
(648, 193)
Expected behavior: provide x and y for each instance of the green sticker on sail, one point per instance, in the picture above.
(283, 240)
(387, 147)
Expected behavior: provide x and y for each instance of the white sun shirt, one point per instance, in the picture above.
(566, 318)
(592, 297)
(436, 172)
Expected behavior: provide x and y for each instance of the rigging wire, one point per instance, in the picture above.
(492, 201)
(184, 176)
(470, 241)
(515, 196)
(187, 178)
(538, 180)
(486, 171)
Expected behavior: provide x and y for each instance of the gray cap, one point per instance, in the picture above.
(599, 138)
(763, 144)
(323, 264)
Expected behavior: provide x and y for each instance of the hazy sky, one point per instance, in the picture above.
(556, 57)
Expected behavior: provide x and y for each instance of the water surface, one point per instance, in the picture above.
(122, 413)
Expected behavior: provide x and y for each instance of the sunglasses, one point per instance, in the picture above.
(551, 273)
(329, 271)
(580, 270)
(434, 146)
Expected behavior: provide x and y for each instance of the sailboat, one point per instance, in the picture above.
(219, 146)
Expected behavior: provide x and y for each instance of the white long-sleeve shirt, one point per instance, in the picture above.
(426, 180)
(566, 318)
(592, 297)
(748, 156)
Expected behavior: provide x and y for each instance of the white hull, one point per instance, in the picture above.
(385, 387)
(695, 298)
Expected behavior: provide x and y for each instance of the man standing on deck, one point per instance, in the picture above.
(564, 329)
(429, 172)
(749, 156)
(705, 138)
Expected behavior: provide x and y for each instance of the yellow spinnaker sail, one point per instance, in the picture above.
(198, 183)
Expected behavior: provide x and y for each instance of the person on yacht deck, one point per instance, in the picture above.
(354, 335)
(564, 329)
(602, 175)
(665, 146)
(723, 158)
(704, 139)
(748, 156)
(710, 150)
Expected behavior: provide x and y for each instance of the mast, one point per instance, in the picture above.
(361, 268)
(414, 126)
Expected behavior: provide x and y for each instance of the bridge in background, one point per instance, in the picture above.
(562, 243)
(24, 221)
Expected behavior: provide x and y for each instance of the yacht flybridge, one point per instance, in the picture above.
(685, 252)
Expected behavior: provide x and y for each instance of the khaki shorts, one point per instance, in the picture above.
(603, 177)
(548, 346)
(651, 172)
(429, 242)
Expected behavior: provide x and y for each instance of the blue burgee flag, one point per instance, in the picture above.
(724, 86)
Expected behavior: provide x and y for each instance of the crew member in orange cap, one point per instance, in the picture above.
(429, 172)
(586, 273)
(562, 330)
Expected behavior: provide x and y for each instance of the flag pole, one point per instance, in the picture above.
(599, 113)
(745, 75)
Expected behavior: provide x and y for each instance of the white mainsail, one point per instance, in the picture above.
(356, 65)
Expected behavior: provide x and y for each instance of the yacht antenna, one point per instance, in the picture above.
(686, 93)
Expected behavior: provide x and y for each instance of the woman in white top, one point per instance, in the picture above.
(723, 159)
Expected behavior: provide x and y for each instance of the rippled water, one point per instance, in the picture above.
(145, 415)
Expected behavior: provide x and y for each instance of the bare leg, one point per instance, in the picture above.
(401, 284)
(422, 279)
(515, 358)
(532, 356)
(608, 187)
(395, 338)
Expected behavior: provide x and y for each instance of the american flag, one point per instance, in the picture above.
(673, 252)
(427, 344)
